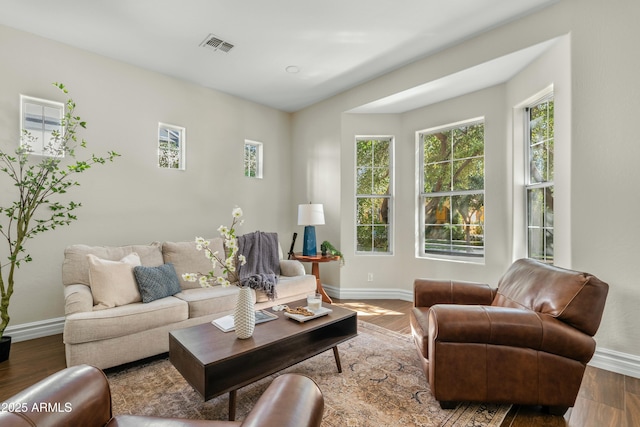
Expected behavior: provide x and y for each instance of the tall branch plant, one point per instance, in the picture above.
(37, 181)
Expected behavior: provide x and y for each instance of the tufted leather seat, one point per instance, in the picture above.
(526, 342)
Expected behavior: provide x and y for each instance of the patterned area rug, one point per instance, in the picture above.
(382, 384)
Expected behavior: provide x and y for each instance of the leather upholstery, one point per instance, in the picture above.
(526, 342)
(80, 396)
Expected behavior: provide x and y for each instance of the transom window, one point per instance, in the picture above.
(374, 192)
(171, 146)
(452, 189)
(253, 159)
(539, 180)
(41, 121)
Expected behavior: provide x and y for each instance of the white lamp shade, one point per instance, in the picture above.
(310, 214)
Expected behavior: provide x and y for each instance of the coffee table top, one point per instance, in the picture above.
(208, 344)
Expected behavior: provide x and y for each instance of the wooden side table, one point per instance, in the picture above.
(315, 261)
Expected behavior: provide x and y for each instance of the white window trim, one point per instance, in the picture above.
(43, 103)
(419, 211)
(391, 196)
(260, 163)
(183, 143)
(540, 98)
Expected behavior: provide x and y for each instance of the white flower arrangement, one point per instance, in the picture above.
(231, 260)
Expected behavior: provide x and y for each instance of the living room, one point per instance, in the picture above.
(309, 156)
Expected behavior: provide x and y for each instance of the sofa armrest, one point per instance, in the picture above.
(77, 299)
(292, 400)
(76, 396)
(429, 292)
(509, 327)
(291, 268)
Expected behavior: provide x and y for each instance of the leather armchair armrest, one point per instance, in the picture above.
(429, 292)
(511, 327)
(76, 396)
(77, 299)
(291, 400)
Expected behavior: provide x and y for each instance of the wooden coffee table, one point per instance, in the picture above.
(216, 362)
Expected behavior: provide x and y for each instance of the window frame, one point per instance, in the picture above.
(259, 146)
(43, 103)
(542, 185)
(181, 150)
(450, 255)
(390, 196)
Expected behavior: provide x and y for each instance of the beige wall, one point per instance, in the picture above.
(594, 74)
(132, 200)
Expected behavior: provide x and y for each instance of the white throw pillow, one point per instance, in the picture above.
(113, 282)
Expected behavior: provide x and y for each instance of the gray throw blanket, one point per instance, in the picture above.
(263, 264)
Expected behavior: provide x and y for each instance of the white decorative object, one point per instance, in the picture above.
(245, 316)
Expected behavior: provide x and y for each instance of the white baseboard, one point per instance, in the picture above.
(29, 331)
(609, 360)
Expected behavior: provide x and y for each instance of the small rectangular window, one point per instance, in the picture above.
(452, 190)
(539, 180)
(171, 146)
(41, 122)
(253, 159)
(374, 193)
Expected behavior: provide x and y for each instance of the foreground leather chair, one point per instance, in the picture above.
(527, 342)
(80, 396)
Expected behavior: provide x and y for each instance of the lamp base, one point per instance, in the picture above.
(309, 242)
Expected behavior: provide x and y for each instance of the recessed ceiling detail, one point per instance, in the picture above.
(216, 44)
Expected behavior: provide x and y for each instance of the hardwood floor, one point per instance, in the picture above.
(605, 398)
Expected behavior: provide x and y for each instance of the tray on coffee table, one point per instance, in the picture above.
(302, 318)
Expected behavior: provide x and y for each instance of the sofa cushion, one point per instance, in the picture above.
(75, 268)
(290, 286)
(124, 320)
(112, 282)
(156, 282)
(186, 258)
(206, 301)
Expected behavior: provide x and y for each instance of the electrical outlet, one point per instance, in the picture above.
(370, 277)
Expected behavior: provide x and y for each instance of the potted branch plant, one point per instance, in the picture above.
(37, 181)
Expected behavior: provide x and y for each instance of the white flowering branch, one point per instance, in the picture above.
(229, 261)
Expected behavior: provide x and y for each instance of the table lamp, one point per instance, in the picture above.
(309, 215)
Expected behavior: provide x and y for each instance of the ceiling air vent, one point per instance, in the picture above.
(214, 43)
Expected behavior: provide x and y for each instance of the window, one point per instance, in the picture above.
(539, 180)
(374, 190)
(253, 159)
(171, 142)
(452, 190)
(41, 123)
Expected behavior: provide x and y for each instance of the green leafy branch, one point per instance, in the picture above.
(37, 180)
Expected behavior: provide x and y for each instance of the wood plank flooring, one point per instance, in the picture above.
(606, 399)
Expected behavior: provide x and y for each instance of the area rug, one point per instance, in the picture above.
(382, 384)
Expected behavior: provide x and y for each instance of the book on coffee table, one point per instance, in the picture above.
(225, 324)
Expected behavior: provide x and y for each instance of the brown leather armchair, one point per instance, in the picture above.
(80, 396)
(527, 342)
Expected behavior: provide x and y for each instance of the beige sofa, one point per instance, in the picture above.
(126, 332)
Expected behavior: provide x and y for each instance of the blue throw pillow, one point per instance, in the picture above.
(157, 282)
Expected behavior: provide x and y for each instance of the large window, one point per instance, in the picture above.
(171, 146)
(41, 122)
(452, 190)
(539, 180)
(374, 191)
(252, 159)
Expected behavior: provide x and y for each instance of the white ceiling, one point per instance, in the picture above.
(336, 44)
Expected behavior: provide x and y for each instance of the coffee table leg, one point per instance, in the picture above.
(337, 357)
(232, 405)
